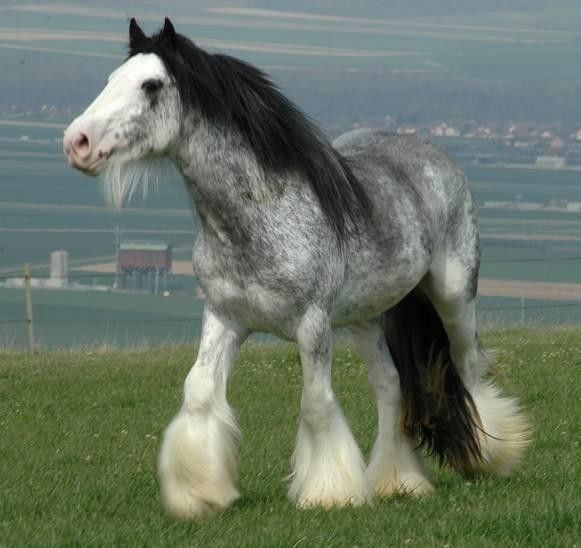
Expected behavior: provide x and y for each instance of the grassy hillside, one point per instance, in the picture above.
(80, 435)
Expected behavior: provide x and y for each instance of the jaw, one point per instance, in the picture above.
(92, 169)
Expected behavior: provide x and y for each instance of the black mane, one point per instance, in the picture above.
(231, 92)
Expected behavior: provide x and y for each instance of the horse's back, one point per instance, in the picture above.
(420, 199)
(409, 160)
(408, 177)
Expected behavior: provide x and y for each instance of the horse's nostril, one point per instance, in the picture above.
(82, 145)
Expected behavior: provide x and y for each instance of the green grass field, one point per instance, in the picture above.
(81, 432)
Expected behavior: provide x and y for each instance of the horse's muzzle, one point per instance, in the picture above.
(79, 147)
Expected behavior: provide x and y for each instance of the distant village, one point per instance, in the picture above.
(513, 144)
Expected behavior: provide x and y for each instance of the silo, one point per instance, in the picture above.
(59, 268)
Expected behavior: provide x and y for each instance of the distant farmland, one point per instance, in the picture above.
(46, 206)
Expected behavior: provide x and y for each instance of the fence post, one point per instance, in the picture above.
(28, 297)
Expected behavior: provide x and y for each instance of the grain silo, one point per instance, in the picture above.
(59, 268)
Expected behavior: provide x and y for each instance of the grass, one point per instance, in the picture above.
(80, 436)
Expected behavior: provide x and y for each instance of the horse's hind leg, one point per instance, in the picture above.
(328, 465)
(394, 466)
(503, 431)
(198, 459)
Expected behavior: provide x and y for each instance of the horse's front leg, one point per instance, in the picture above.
(198, 459)
(328, 465)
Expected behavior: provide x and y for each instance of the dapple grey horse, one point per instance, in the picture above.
(377, 233)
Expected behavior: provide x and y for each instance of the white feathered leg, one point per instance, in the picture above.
(394, 466)
(198, 459)
(328, 465)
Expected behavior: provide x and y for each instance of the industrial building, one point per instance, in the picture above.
(143, 266)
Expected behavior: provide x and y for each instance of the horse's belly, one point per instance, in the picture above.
(360, 307)
(368, 292)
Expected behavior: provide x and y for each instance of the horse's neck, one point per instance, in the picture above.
(224, 179)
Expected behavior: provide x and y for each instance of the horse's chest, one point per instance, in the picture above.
(254, 306)
(243, 296)
(266, 291)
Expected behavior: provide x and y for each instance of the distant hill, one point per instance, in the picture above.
(416, 8)
(344, 62)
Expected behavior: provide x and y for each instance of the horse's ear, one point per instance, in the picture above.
(168, 33)
(136, 36)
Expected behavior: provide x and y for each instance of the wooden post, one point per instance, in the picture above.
(28, 297)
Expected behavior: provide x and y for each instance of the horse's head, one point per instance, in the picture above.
(135, 117)
(206, 111)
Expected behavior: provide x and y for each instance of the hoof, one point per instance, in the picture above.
(197, 466)
(400, 472)
(331, 500)
(414, 485)
(185, 505)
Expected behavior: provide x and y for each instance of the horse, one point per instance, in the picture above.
(375, 233)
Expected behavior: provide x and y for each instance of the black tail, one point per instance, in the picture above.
(437, 408)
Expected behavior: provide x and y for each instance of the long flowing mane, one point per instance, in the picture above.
(232, 93)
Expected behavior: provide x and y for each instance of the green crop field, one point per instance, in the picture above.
(93, 319)
(533, 185)
(81, 433)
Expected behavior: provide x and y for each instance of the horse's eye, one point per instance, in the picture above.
(151, 86)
